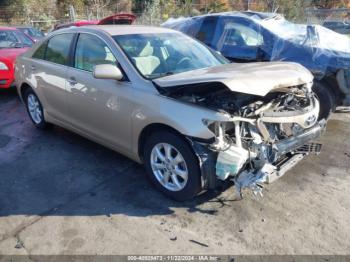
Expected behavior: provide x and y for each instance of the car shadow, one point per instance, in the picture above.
(56, 172)
(7, 95)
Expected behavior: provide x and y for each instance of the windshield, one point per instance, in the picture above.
(32, 32)
(14, 39)
(157, 55)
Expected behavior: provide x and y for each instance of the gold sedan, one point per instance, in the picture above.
(166, 100)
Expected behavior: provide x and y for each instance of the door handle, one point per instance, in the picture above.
(72, 81)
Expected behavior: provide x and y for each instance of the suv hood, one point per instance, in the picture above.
(251, 78)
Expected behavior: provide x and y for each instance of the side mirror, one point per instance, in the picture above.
(107, 71)
(18, 45)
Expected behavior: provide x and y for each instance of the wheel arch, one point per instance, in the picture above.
(150, 129)
(331, 83)
(23, 88)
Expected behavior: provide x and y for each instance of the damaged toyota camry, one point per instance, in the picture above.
(166, 100)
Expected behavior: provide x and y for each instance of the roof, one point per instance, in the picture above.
(23, 26)
(7, 28)
(261, 15)
(131, 29)
(76, 23)
(245, 14)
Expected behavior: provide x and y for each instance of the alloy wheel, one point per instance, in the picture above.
(169, 167)
(34, 109)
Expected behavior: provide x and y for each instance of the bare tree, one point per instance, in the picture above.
(99, 6)
(272, 5)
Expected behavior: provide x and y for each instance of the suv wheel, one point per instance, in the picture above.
(326, 99)
(35, 109)
(172, 166)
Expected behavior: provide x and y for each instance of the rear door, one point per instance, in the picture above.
(49, 67)
(99, 107)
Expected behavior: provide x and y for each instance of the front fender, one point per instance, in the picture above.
(184, 117)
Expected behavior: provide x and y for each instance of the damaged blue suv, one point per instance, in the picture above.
(253, 36)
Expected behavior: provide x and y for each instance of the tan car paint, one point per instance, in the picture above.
(114, 113)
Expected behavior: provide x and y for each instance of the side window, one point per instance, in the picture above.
(40, 52)
(207, 30)
(91, 51)
(235, 34)
(58, 49)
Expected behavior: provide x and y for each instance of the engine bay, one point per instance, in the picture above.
(218, 97)
(263, 134)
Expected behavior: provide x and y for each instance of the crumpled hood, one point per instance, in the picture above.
(250, 78)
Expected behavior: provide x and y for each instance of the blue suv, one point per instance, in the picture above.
(253, 36)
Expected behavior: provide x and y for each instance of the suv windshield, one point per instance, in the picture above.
(157, 55)
(14, 39)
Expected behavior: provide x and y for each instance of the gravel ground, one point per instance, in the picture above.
(62, 194)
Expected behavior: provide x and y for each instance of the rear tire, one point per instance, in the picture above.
(162, 172)
(326, 99)
(35, 109)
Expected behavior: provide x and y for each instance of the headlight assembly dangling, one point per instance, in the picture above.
(219, 129)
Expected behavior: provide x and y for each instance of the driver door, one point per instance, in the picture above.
(99, 108)
(238, 41)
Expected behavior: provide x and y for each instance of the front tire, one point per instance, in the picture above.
(35, 109)
(172, 166)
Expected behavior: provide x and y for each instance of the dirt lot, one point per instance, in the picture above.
(62, 194)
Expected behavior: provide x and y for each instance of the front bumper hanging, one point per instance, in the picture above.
(270, 173)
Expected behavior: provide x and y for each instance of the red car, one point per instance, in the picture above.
(12, 43)
(117, 19)
(77, 23)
